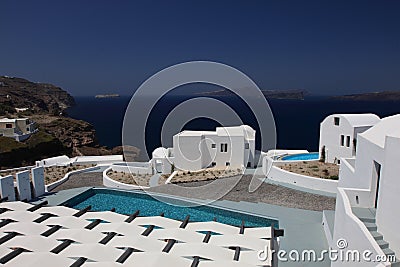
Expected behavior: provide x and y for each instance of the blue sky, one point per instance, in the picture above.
(90, 47)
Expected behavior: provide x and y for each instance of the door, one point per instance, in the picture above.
(377, 175)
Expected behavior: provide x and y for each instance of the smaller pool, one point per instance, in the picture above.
(305, 156)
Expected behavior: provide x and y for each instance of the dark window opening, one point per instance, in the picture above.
(227, 163)
(8, 125)
(224, 147)
(337, 121)
(213, 145)
(348, 141)
(247, 146)
(342, 140)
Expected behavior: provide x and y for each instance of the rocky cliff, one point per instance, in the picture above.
(45, 103)
(37, 97)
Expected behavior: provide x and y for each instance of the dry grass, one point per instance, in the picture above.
(314, 169)
(204, 175)
(128, 178)
(54, 173)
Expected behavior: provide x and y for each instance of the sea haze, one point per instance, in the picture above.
(297, 121)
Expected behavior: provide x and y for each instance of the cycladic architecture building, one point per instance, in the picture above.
(226, 147)
(338, 134)
(20, 129)
(367, 203)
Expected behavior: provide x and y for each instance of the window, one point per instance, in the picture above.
(213, 145)
(342, 140)
(8, 125)
(338, 161)
(224, 147)
(213, 164)
(227, 163)
(348, 141)
(248, 164)
(336, 121)
(27, 129)
(247, 146)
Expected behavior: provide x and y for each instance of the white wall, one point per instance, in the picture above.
(387, 216)
(187, 152)
(196, 152)
(7, 187)
(108, 182)
(133, 167)
(54, 161)
(277, 174)
(349, 227)
(38, 181)
(24, 185)
(330, 138)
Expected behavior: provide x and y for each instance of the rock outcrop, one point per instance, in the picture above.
(37, 97)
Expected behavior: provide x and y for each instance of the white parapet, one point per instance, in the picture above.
(24, 186)
(7, 187)
(38, 181)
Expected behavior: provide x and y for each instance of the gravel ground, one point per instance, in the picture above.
(81, 180)
(266, 193)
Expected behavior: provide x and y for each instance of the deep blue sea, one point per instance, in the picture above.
(297, 121)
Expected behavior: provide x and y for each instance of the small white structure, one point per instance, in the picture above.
(24, 186)
(38, 181)
(80, 160)
(368, 194)
(21, 109)
(338, 134)
(7, 188)
(20, 129)
(162, 160)
(226, 147)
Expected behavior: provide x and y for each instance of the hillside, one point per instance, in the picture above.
(38, 97)
(58, 134)
(38, 146)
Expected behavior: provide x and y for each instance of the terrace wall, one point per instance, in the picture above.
(277, 174)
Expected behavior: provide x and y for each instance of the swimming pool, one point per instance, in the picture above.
(128, 202)
(305, 156)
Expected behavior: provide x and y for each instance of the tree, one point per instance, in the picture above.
(323, 154)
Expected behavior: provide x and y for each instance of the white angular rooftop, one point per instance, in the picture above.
(389, 126)
(242, 130)
(359, 120)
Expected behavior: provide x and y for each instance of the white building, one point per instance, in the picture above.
(20, 129)
(338, 134)
(232, 147)
(367, 203)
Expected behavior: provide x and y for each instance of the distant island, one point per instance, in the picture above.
(297, 94)
(375, 96)
(107, 96)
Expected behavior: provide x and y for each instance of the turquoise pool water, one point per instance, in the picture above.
(306, 156)
(128, 202)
